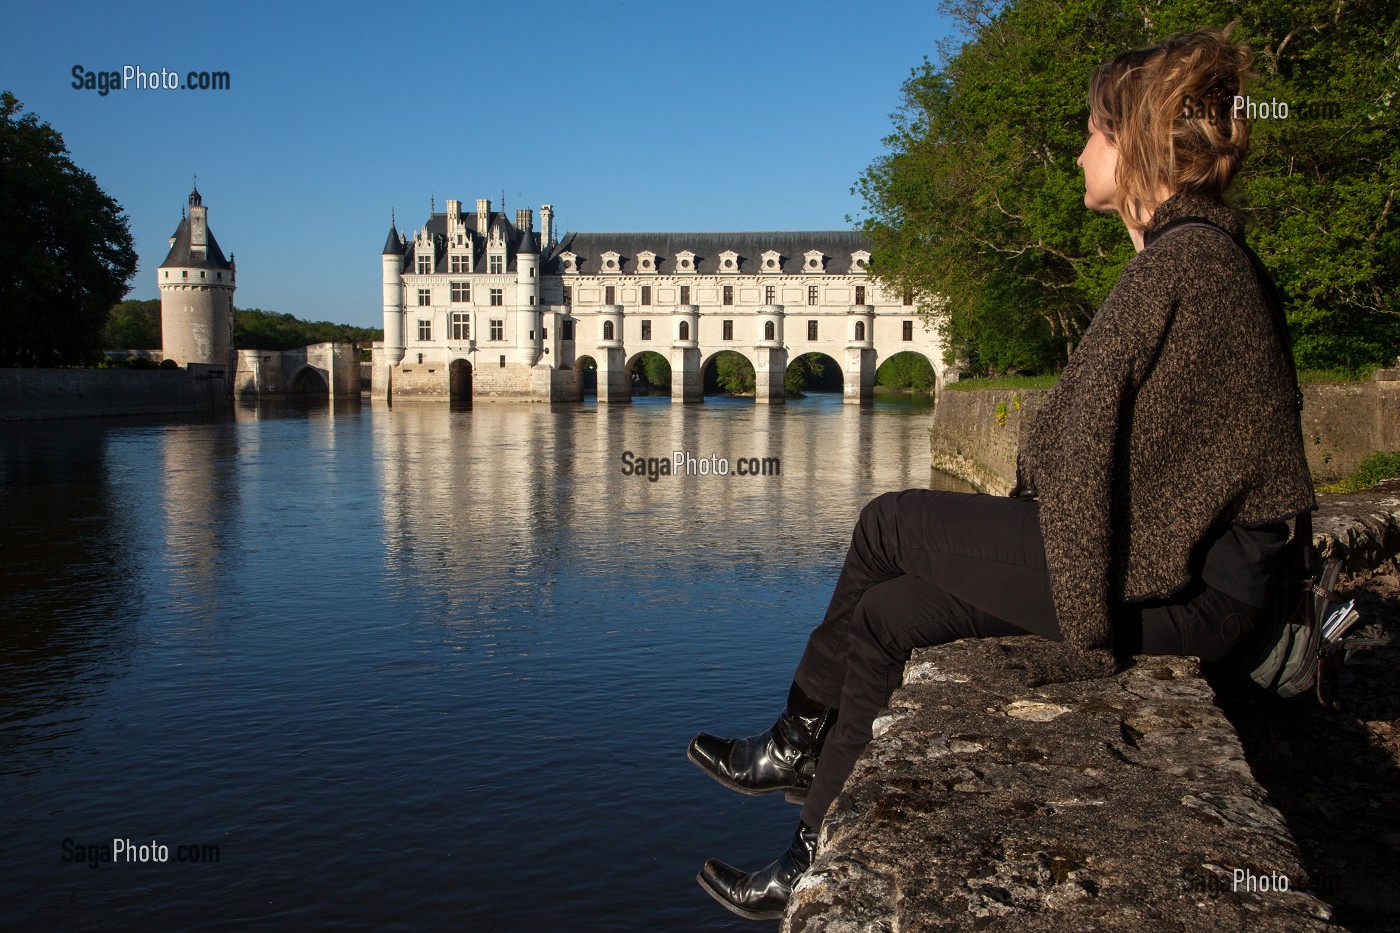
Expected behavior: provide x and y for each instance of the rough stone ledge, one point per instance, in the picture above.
(1122, 803)
(990, 799)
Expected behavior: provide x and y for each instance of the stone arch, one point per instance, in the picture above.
(587, 368)
(904, 367)
(309, 382)
(813, 371)
(650, 381)
(709, 372)
(459, 383)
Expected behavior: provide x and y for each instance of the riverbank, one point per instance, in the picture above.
(37, 394)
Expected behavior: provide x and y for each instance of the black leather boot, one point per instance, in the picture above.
(782, 759)
(763, 894)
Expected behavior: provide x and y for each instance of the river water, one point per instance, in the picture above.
(409, 668)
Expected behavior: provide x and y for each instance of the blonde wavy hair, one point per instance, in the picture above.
(1169, 111)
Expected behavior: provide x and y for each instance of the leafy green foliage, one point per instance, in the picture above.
(1378, 466)
(256, 329)
(977, 206)
(814, 371)
(906, 370)
(733, 373)
(133, 325)
(1044, 381)
(66, 254)
(653, 370)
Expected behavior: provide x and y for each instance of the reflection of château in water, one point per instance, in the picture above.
(196, 323)
(476, 306)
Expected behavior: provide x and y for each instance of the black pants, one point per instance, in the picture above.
(927, 567)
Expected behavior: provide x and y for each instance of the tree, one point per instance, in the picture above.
(66, 254)
(733, 373)
(133, 325)
(977, 210)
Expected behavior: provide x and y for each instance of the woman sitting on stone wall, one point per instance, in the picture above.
(1152, 487)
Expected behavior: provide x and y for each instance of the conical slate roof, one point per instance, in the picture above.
(393, 246)
(182, 255)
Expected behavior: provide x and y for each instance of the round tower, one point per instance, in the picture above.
(393, 296)
(528, 338)
(196, 294)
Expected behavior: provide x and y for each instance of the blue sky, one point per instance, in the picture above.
(624, 115)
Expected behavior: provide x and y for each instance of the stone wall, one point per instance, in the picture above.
(975, 433)
(79, 393)
(991, 797)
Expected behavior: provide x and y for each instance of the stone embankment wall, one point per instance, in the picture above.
(975, 434)
(994, 798)
(82, 393)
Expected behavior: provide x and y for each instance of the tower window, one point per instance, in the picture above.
(425, 330)
(567, 331)
(769, 330)
(860, 330)
(498, 330)
(498, 297)
(425, 296)
(607, 330)
(684, 332)
(461, 292)
(461, 326)
(811, 294)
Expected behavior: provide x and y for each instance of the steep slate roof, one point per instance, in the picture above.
(393, 246)
(437, 226)
(180, 254)
(835, 245)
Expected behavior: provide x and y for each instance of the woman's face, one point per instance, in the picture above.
(1100, 163)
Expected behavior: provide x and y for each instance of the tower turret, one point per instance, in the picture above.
(528, 335)
(196, 293)
(393, 296)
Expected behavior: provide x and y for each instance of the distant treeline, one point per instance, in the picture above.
(135, 325)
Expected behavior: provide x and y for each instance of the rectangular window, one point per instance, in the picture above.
(497, 265)
(568, 332)
(811, 294)
(498, 330)
(461, 326)
(770, 294)
(425, 296)
(860, 294)
(908, 330)
(568, 295)
(425, 330)
(728, 330)
(498, 297)
(461, 264)
(609, 295)
(646, 294)
(461, 292)
(685, 294)
(729, 294)
(425, 264)
(646, 330)
(811, 330)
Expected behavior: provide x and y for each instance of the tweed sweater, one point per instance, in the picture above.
(1177, 412)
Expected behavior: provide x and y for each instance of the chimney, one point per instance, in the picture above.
(454, 214)
(524, 219)
(483, 215)
(546, 225)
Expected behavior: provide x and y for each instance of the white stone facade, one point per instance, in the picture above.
(477, 306)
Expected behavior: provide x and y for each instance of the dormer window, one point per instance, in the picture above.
(860, 260)
(569, 261)
(729, 261)
(611, 261)
(772, 261)
(425, 263)
(813, 261)
(646, 261)
(496, 264)
(685, 261)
